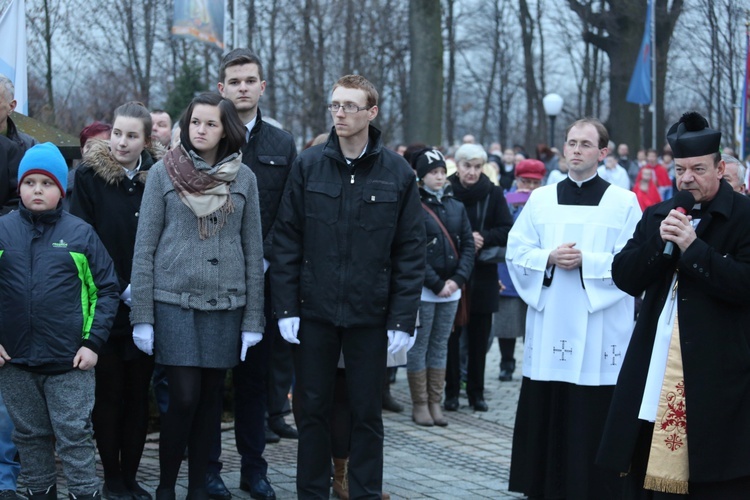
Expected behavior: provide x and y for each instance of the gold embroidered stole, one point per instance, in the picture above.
(667, 469)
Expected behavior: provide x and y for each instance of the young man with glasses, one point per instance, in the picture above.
(346, 274)
(578, 323)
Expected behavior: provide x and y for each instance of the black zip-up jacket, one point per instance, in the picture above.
(269, 153)
(442, 263)
(58, 288)
(107, 199)
(349, 240)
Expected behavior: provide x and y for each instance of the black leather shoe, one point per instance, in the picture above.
(451, 404)
(479, 405)
(197, 494)
(284, 430)
(116, 495)
(216, 488)
(137, 491)
(271, 437)
(258, 487)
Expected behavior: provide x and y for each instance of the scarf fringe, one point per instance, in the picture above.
(210, 224)
(665, 485)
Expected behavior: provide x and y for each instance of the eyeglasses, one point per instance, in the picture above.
(348, 107)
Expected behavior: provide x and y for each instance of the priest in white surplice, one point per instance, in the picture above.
(578, 323)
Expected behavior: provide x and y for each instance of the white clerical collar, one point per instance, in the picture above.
(131, 173)
(580, 183)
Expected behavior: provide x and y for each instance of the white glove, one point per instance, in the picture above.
(412, 340)
(397, 340)
(249, 339)
(125, 296)
(289, 328)
(143, 336)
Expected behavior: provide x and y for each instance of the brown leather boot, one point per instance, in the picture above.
(418, 388)
(435, 384)
(340, 482)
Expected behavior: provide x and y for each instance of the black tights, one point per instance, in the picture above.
(195, 400)
(120, 416)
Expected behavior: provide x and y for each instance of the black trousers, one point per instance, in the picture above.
(315, 362)
(478, 333)
(250, 380)
(280, 375)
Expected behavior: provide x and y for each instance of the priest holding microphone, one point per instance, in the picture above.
(679, 423)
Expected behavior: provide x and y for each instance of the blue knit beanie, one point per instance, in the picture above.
(44, 159)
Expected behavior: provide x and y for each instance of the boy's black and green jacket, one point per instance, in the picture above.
(58, 289)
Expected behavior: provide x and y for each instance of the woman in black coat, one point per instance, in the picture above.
(109, 186)
(490, 222)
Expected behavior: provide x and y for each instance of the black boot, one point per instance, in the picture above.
(389, 403)
(506, 370)
(89, 496)
(48, 494)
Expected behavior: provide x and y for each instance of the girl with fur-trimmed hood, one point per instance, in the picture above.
(109, 185)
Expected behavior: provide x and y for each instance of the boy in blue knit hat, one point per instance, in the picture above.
(58, 298)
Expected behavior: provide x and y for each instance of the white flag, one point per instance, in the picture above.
(13, 49)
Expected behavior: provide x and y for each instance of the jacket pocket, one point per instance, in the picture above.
(378, 210)
(273, 160)
(322, 200)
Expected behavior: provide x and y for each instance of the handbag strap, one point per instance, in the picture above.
(442, 227)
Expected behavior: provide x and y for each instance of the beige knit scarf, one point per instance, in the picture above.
(205, 193)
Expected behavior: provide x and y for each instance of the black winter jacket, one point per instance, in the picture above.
(442, 263)
(269, 153)
(109, 201)
(349, 240)
(10, 157)
(58, 289)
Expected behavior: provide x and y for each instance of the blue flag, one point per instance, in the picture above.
(639, 91)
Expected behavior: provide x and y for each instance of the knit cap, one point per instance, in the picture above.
(427, 160)
(44, 159)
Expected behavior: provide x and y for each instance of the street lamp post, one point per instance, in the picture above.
(553, 104)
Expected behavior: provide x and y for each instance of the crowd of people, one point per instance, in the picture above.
(171, 255)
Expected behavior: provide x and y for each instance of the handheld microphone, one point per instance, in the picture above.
(683, 201)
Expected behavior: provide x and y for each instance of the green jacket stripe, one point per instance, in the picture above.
(89, 292)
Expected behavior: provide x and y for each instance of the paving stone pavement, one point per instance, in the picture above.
(468, 459)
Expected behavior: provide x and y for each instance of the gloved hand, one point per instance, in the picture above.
(397, 340)
(143, 336)
(249, 339)
(412, 340)
(125, 296)
(289, 327)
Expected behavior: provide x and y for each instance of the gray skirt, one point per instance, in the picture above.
(189, 337)
(509, 321)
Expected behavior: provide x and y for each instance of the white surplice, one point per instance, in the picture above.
(578, 328)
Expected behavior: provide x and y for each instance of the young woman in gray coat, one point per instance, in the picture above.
(197, 279)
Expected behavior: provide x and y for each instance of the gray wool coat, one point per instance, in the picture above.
(174, 266)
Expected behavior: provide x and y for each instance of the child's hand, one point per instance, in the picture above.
(3, 356)
(85, 359)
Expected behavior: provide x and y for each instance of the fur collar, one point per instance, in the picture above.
(100, 160)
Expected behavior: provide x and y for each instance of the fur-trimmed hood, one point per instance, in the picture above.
(99, 158)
